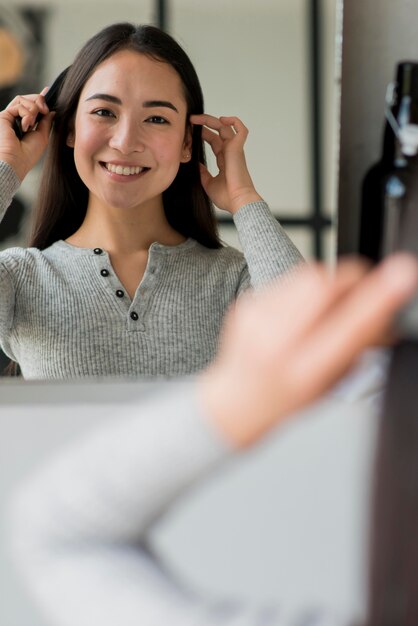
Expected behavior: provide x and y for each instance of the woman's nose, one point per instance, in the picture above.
(127, 137)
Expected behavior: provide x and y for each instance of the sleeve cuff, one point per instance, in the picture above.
(9, 184)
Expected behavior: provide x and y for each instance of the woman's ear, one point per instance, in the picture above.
(70, 139)
(187, 145)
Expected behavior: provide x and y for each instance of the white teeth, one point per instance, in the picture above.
(125, 171)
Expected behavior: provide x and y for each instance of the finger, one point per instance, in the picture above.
(299, 306)
(213, 139)
(31, 102)
(44, 125)
(216, 123)
(216, 145)
(27, 108)
(227, 127)
(204, 119)
(205, 177)
(318, 288)
(358, 321)
(236, 124)
(225, 131)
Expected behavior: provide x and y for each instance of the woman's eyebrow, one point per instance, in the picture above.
(159, 103)
(105, 96)
(148, 104)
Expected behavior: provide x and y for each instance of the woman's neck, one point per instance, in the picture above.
(124, 230)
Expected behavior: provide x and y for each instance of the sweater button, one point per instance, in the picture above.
(98, 251)
(120, 293)
(134, 316)
(104, 272)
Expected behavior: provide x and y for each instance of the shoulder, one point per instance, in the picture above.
(18, 263)
(19, 260)
(16, 255)
(226, 257)
(20, 253)
(223, 252)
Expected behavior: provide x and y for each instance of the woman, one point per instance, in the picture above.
(81, 525)
(126, 274)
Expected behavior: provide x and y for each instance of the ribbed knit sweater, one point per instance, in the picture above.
(65, 314)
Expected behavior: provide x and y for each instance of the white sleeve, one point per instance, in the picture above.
(80, 524)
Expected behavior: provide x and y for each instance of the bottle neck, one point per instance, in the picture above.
(402, 113)
(399, 158)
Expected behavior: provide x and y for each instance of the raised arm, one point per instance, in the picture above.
(268, 250)
(18, 157)
(80, 524)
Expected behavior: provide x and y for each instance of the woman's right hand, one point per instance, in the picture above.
(23, 154)
(277, 354)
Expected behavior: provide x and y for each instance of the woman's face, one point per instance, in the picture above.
(129, 134)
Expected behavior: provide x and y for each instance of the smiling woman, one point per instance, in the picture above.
(129, 140)
(125, 273)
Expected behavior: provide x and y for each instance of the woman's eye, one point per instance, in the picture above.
(157, 119)
(103, 113)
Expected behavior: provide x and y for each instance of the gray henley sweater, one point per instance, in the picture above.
(65, 314)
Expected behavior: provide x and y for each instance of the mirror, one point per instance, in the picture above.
(255, 62)
(257, 66)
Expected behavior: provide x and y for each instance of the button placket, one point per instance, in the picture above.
(135, 311)
(135, 319)
(136, 316)
(139, 306)
(110, 281)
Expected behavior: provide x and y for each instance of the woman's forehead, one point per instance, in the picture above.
(135, 71)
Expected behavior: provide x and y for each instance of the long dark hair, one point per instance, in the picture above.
(63, 197)
(394, 542)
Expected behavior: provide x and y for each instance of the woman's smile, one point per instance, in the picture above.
(126, 170)
(124, 173)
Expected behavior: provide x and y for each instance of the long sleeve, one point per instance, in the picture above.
(268, 250)
(80, 524)
(9, 184)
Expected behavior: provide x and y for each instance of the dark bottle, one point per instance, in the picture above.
(400, 199)
(383, 182)
(402, 212)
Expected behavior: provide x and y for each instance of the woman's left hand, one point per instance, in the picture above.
(232, 187)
